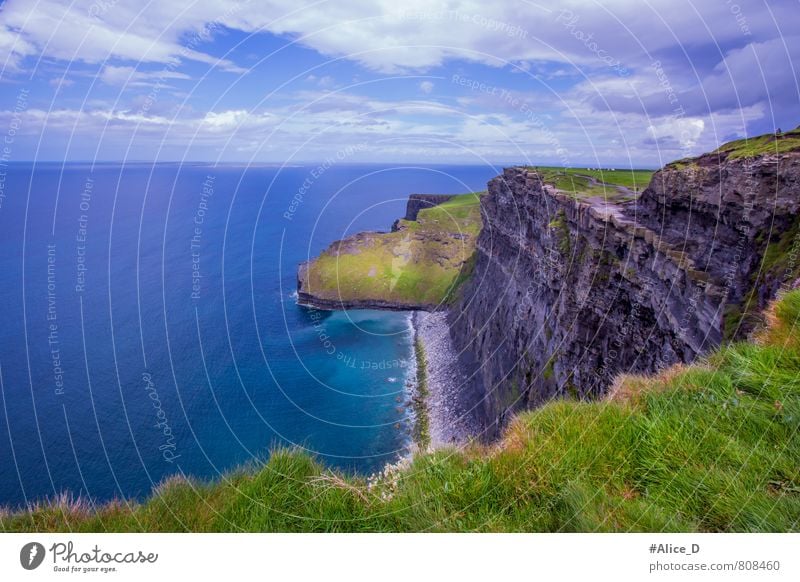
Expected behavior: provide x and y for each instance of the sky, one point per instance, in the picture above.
(617, 83)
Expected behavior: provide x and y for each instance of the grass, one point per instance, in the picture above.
(683, 164)
(584, 182)
(423, 263)
(783, 142)
(708, 447)
(560, 228)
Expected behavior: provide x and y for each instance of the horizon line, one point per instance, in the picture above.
(318, 162)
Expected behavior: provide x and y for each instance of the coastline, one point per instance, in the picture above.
(309, 300)
(438, 367)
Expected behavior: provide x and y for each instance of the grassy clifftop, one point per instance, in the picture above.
(615, 185)
(777, 143)
(421, 264)
(709, 447)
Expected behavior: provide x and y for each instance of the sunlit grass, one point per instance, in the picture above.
(788, 141)
(422, 263)
(585, 182)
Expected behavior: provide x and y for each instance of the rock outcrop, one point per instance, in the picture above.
(417, 202)
(569, 292)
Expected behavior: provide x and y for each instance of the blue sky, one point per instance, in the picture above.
(612, 83)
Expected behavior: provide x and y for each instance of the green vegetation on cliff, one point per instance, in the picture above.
(617, 185)
(422, 263)
(709, 447)
(779, 264)
(778, 143)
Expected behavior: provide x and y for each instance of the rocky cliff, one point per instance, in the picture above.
(567, 292)
(420, 264)
(417, 202)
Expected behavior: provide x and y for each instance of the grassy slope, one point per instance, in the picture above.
(787, 141)
(713, 446)
(422, 263)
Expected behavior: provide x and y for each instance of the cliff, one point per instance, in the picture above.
(417, 202)
(570, 291)
(420, 264)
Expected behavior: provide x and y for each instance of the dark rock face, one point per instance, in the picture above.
(566, 294)
(724, 212)
(417, 202)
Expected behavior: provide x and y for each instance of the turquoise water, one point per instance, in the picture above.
(149, 324)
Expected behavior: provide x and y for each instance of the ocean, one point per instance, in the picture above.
(149, 324)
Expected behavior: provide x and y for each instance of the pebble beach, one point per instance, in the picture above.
(449, 425)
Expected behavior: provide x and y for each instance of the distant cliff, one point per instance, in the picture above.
(568, 292)
(417, 202)
(419, 265)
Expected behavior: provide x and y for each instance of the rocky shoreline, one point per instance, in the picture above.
(449, 423)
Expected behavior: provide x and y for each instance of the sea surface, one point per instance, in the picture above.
(148, 324)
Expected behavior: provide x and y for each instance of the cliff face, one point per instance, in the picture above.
(417, 202)
(568, 292)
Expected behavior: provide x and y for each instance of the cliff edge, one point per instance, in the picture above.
(569, 291)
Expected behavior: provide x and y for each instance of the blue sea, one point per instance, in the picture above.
(149, 325)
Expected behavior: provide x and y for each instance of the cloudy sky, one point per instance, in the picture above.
(612, 82)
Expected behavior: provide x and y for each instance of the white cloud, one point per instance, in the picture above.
(684, 131)
(392, 130)
(379, 34)
(59, 82)
(324, 81)
(236, 119)
(130, 77)
(76, 31)
(604, 115)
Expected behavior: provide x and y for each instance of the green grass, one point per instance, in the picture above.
(683, 164)
(582, 182)
(559, 226)
(787, 141)
(423, 263)
(708, 447)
